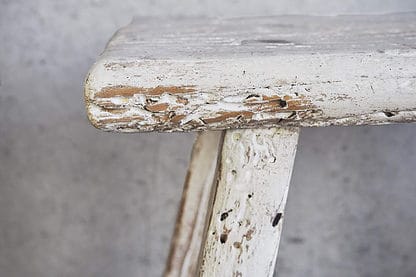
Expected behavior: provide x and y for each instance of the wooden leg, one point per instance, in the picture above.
(248, 210)
(230, 220)
(192, 216)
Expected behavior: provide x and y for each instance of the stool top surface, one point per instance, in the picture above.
(179, 74)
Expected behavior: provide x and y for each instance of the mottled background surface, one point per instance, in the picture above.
(75, 201)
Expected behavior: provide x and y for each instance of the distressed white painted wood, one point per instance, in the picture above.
(248, 209)
(196, 74)
(195, 206)
(280, 72)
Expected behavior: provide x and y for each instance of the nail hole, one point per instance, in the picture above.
(223, 238)
(389, 114)
(224, 216)
(276, 219)
(282, 103)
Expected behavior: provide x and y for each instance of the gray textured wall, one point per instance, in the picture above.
(78, 202)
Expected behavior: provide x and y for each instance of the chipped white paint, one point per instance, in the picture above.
(194, 209)
(248, 209)
(215, 74)
(196, 74)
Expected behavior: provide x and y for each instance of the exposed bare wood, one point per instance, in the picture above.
(197, 74)
(248, 210)
(278, 72)
(194, 208)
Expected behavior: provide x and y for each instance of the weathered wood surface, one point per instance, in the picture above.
(197, 74)
(195, 205)
(248, 209)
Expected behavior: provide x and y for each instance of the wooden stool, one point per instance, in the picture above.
(259, 78)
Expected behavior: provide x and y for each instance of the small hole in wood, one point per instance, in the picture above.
(224, 216)
(282, 103)
(223, 238)
(276, 219)
(389, 114)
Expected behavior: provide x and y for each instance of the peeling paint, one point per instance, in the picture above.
(166, 106)
(256, 80)
(248, 225)
(128, 91)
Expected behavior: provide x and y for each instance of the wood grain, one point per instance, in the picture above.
(248, 209)
(198, 74)
(194, 209)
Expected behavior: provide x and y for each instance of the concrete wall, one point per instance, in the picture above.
(78, 202)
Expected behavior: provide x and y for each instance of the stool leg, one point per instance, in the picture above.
(194, 209)
(245, 224)
(232, 207)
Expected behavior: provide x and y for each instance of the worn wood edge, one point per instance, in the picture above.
(191, 219)
(289, 100)
(88, 102)
(248, 210)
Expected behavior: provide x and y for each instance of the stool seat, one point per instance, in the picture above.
(186, 74)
